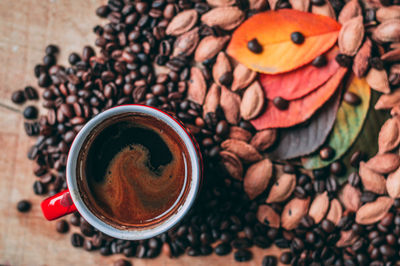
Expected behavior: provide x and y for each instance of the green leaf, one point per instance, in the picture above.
(348, 124)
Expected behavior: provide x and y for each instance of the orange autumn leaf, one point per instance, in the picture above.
(300, 82)
(272, 29)
(301, 109)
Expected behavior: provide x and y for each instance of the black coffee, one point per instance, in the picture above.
(135, 170)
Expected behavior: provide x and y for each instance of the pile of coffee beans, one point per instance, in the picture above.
(135, 64)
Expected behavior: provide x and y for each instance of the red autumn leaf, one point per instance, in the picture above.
(300, 82)
(301, 109)
(272, 29)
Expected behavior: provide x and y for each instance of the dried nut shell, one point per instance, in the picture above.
(258, 5)
(221, 67)
(324, 10)
(197, 86)
(186, 43)
(282, 189)
(371, 180)
(257, 178)
(388, 31)
(350, 197)
(242, 77)
(240, 134)
(335, 212)
(212, 99)
(378, 80)
(226, 18)
(389, 136)
(319, 207)
(266, 215)
(293, 211)
(350, 10)
(232, 164)
(347, 238)
(351, 36)
(230, 104)
(373, 212)
(387, 13)
(221, 2)
(393, 184)
(301, 5)
(252, 101)
(384, 163)
(264, 139)
(244, 151)
(182, 22)
(388, 101)
(209, 47)
(361, 60)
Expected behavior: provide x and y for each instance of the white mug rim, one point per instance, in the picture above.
(132, 234)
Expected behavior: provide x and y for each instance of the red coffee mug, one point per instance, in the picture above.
(70, 200)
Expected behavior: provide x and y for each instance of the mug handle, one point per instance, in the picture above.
(58, 205)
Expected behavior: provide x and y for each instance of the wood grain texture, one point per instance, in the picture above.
(26, 27)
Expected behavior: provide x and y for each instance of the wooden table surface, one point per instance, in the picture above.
(26, 27)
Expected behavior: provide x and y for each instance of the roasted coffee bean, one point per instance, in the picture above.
(51, 49)
(337, 168)
(86, 228)
(77, 240)
(318, 2)
(354, 179)
(222, 128)
(241, 243)
(351, 98)
(376, 63)
(49, 60)
(269, 261)
(369, 15)
(30, 112)
(282, 243)
(367, 196)
(226, 79)
(62, 226)
(327, 153)
(356, 158)
(243, 255)
(327, 226)
(38, 188)
(254, 46)
(31, 93)
(280, 103)
(222, 249)
(319, 61)
(23, 206)
(44, 80)
(75, 220)
(297, 37)
(344, 60)
(18, 97)
(105, 251)
(122, 262)
(285, 257)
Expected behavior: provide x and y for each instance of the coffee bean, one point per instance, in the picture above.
(86, 229)
(102, 11)
(105, 251)
(297, 37)
(254, 46)
(18, 97)
(351, 98)
(326, 153)
(122, 262)
(269, 261)
(49, 60)
(31, 93)
(367, 196)
(387, 250)
(327, 226)
(76, 240)
(280, 103)
(222, 128)
(23, 206)
(318, 2)
(376, 63)
(75, 219)
(369, 15)
(356, 158)
(51, 49)
(30, 112)
(337, 168)
(319, 61)
(222, 249)
(243, 255)
(44, 80)
(226, 79)
(285, 257)
(38, 188)
(87, 53)
(62, 226)
(344, 60)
